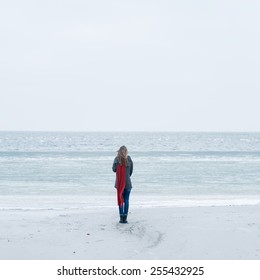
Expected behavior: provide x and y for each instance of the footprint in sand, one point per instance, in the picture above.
(154, 238)
(134, 229)
(102, 227)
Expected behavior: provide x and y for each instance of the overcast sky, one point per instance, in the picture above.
(130, 65)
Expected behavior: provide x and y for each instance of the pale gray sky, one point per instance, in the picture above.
(130, 65)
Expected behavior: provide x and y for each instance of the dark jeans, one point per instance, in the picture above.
(123, 210)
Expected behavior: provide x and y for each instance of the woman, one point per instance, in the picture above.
(123, 166)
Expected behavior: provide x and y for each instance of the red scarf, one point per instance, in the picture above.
(120, 183)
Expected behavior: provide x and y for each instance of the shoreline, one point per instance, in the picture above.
(93, 202)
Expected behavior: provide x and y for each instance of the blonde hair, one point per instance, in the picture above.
(122, 154)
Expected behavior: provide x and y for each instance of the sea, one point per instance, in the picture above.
(73, 170)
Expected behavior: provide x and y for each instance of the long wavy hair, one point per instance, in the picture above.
(122, 155)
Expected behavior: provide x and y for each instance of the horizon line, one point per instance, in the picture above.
(135, 131)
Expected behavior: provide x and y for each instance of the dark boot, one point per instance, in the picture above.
(121, 219)
(125, 219)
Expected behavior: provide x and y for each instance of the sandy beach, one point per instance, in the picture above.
(201, 232)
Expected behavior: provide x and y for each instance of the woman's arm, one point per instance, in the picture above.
(131, 166)
(115, 165)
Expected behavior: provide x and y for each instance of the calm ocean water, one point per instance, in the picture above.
(165, 164)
